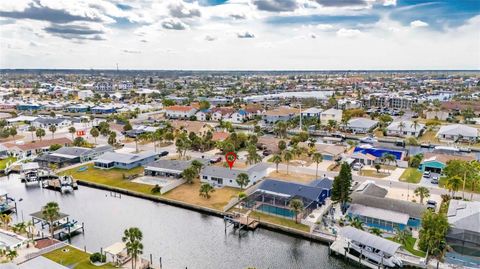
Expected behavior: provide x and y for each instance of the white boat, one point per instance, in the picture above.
(368, 140)
(66, 184)
(376, 255)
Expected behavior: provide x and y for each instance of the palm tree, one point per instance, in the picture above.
(32, 130)
(205, 190)
(401, 236)
(401, 126)
(296, 206)
(287, 156)
(317, 158)
(52, 129)
(51, 212)
(453, 184)
(95, 133)
(5, 219)
(189, 174)
(422, 192)
(252, 156)
(356, 223)
(242, 180)
(13, 132)
(375, 231)
(40, 133)
(197, 165)
(132, 237)
(72, 131)
(11, 254)
(277, 159)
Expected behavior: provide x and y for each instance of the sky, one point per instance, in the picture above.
(240, 34)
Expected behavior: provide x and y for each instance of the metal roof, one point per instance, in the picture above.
(109, 157)
(414, 210)
(291, 189)
(369, 239)
(377, 213)
(464, 215)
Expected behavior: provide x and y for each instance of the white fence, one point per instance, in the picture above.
(172, 186)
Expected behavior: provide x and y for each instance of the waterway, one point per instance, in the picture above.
(183, 238)
(282, 95)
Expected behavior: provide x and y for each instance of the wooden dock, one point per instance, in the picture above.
(340, 247)
(240, 222)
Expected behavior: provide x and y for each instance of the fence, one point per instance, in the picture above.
(51, 248)
(172, 186)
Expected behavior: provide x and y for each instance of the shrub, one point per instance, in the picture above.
(98, 257)
(156, 189)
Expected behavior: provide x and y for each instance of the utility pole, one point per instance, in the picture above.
(300, 116)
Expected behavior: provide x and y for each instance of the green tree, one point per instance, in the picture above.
(341, 186)
(453, 184)
(40, 133)
(356, 223)
(252, 155)
(112, 139)
(51, 212)
(52, 129)
(277, 159)
(205, 190)
(422, 192)
(132, 237)
(13, 132)
(72, 131)
(287, 156)
(127, 127)
(317, 157)
(242, 180)
(433, 232)
(280, 129)
(376, 231)
(197, 166)
(95, 133)
(296, 205)
(402, 236)
(282, 145)
(189, 174)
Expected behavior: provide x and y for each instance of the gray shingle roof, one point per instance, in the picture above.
(290, 188)
(362, 123)
(108, 157)
(464, 215)
(414, 210)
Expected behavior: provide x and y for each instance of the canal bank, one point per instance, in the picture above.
(183, 238)
(205, 210)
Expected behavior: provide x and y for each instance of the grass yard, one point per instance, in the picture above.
(373, 173)
(411, 175)
(428, 137)
(74, 258)
(3, 163)
(189, 193)
(110, 177)
(292, 177)
(280, 221)
(409, 246)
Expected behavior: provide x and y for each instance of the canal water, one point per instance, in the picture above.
(183, 238)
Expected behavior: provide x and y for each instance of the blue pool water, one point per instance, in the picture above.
(284, 212)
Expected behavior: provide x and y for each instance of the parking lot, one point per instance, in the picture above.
(427, 181)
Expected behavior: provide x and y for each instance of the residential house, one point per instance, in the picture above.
(169, 168)
(198, 127)
(45, 123)
(436, 162)
(458, 132)
(125, 85)
(361, 125)
(405, 128)
(84, 94)
(437, 115)
(221, 113)
(280, 114)
(28, 107)
(369, 155)
(464, 233)
(203, 115)
(370, 204)
(103, 86)
(331, 114)
(77, 108)
(239, 116)
(110, 160)
(180, 112)
(66, 156)
(23, 150)
(103, 110)
(222, 176)
(312, 112)
(220, 136)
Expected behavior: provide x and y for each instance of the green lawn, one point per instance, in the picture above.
(411, 175)
(110, 177)
(74, 258)
(280, 221)
(373, 173)
(409, 246)
(3, 163)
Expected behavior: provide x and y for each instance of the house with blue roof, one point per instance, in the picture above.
(369, 155)
(273, 196)
(28, 107)
(77, 108)
(203, 114)
(240, 116)
(103, 110)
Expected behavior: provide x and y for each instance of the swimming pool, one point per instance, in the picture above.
(284, 212)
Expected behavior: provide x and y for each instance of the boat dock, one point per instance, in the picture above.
(339, 247)
(240, 222)
(64, 227)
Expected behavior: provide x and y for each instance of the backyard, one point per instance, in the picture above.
(280, 221)
(409, 246)
(292, 176)
(110, 177)
(74, 258)
(189, 193)
(411, 175)
(3, 163)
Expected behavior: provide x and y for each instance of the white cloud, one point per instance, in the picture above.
(348, 32)
(418, 24)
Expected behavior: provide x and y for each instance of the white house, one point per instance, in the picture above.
(331, 114)
(361, 125)
(82, 95)
(202, 115)
(180, 112)
(457, 132)
(221, 113)
(103, 86)
(405, 128)
(47, 122)
(240, 116)
(125, 85)
(312, 112)
(221, 176)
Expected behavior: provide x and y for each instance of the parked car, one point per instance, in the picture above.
(216, 160)
(431, 204)
(267, 152)
(426, 174)
(163, 153)
(434, 180)
(357, 166)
